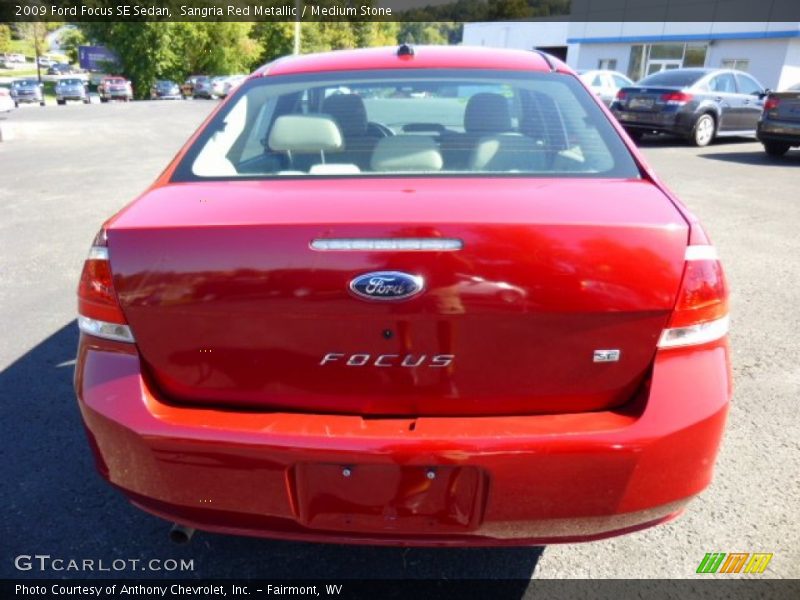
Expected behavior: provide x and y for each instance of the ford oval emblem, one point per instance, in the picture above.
(387, 285)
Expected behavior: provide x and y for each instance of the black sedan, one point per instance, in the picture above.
(165, 89)
(59, 69)
(698, 104)
(779, 127)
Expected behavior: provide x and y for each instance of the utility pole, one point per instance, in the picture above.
(298, 11)
(35, 29)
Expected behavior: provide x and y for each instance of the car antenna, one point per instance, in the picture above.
(405, 49)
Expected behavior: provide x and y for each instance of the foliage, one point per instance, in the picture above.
(175, 50)
(70, 40)
(154, 50)
(5, 38)
(422, 32)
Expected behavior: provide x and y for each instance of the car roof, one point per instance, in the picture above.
(424, 57)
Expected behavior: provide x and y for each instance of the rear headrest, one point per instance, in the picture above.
(348, 111)
(406, 153)
(542, 120)
(304, 133)
(487, 113)
(506, 152)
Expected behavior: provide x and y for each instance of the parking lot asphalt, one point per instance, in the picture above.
(68, 168)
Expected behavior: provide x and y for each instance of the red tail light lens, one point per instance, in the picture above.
(772, 103)
(99, 312)
(621, 95)
(676, 98)
(701, 312)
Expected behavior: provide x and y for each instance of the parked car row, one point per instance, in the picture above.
(13, 57)
(204, 86)
(701, 105)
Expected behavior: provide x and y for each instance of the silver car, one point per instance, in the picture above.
(71, 88)
(27, 91)
(605, 84)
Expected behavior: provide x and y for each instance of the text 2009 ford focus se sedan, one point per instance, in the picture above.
(406, 296)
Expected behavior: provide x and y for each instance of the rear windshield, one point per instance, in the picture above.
(672, 78)
(430, 122)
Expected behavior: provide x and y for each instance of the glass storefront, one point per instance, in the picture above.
(646, 59)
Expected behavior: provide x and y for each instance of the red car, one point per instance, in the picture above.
(115, 88)
(428, 296)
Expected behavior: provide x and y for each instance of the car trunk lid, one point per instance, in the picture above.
(645, 99)
(788, 106)
(230, 304)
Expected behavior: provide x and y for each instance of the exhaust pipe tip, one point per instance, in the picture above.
(180, 534)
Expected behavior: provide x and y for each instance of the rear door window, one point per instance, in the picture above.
(723, 83)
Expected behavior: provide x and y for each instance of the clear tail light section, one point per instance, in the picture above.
(99, 312)
(701, 312)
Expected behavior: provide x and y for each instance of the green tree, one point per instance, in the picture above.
(276, 39)
(145, 50)
(215, 48)
(5, 38)
(33, 34)
(425, 32)
(156, 50)
(70, 40)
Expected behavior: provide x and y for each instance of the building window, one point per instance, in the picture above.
(647, 59)
(607, 64)
(695, 55)
(739, 64)
(636, 62)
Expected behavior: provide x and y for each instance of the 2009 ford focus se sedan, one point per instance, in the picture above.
(417, 296)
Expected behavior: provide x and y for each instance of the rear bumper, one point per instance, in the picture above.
(497, 480)
(667, 121)
(786, 132)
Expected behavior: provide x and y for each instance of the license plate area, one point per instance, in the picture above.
(381, 498)
(641, 103)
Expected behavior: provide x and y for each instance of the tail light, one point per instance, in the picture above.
(772, 103)
(701, 312)
(99, 312)
(621, 95)
(676, 98)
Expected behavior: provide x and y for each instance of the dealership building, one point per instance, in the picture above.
(770, 51)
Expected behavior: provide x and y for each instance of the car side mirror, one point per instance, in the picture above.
(764, 93)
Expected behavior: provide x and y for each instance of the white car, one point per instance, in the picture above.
(6, 101)
(231, 83)
(605, 84)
